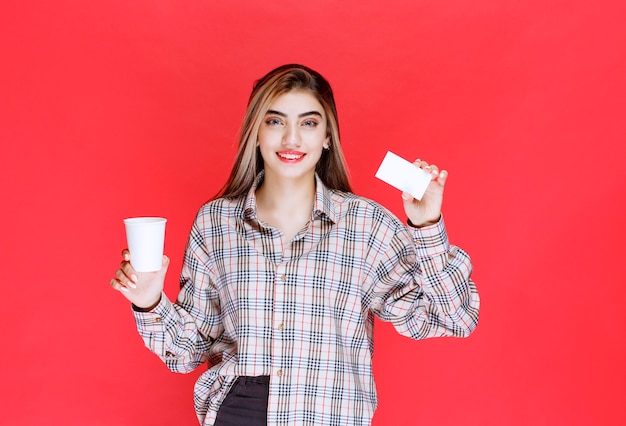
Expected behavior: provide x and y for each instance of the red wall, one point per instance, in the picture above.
(116, 108)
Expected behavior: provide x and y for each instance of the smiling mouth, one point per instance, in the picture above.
(290, 156)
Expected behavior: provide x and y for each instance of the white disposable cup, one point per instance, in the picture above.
(145, 237)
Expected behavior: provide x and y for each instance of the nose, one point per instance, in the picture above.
(291, 136)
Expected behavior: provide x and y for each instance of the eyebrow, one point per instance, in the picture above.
(304, 114)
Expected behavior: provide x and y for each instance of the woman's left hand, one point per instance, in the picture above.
(426, 211)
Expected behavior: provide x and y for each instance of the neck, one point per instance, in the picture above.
(286, 195)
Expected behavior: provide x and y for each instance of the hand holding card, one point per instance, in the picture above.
(403, 175)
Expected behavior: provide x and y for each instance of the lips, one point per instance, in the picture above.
(290, 156)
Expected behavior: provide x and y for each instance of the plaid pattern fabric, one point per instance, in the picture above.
(302, 313)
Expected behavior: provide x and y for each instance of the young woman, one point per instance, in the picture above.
(286, 268)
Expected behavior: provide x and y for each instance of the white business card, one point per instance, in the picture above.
(403, 175)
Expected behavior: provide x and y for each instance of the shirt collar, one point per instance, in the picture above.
(322, 206)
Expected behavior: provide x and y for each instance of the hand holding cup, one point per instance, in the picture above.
(141, 279)
(142, 289)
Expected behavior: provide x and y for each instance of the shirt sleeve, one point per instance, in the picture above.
(182, 333)
(422, 285)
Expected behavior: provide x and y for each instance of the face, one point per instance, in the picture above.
(292, 136)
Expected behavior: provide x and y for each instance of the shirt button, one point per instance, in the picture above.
(158, 319)
(281, 327)
(283, 278)
(279, 373)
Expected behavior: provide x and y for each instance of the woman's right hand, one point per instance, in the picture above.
(143, 289)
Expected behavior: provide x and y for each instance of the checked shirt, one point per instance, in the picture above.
(302, 312)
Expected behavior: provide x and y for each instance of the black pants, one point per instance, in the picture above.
(246, 403)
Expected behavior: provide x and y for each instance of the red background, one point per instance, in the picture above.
(111, 109)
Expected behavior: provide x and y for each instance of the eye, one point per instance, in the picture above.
(273, 121)
(309, 123)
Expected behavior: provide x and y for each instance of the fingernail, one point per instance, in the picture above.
(124, 289)
(134, 278)
(132, 285)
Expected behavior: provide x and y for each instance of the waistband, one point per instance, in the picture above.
(263, 380)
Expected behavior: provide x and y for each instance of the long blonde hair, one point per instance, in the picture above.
(331, 168)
